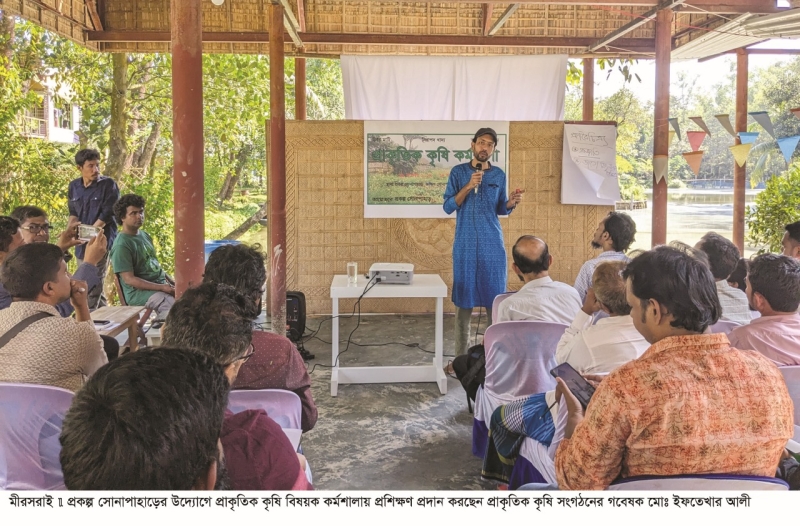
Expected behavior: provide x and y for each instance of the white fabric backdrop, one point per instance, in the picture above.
(503, 88)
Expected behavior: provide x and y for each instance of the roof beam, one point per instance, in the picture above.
(291, 24)
(635, 45)
(510, 10)
(301, 15)
(633, 24)
(487, 18)
(91, 6)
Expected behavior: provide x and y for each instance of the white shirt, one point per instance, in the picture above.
(600, 348)
(61, 352)
(541, 300)
(584, 280)
(735, 306)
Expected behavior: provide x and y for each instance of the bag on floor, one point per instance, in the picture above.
(470, 369)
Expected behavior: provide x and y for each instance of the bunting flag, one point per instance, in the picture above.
(725, 120)
(671, 137)
(695, 139)
(762, 117)
(748, 137)
(674, 122)
(796, 112)
(700, 122)
(787, 146)
(660, 165)
(740, 152)
(694, 159)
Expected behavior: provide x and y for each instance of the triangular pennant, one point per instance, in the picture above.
(748, 137)
(674, 122)
(787, 146)
(725, 120)
(796, 112)
(740, 152)
(694, 159)
(660, 165)
(695, 139)
(762, 117)
(671, 137)
(700, 122)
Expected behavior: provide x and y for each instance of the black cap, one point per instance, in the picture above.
(485, 131)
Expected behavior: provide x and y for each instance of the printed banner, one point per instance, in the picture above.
(725, 120)
(694, 159)
(674, 122)
(740, 152)
(695, 139)
(762, 117)
(660, 166)
(748, 137)
(407, 164)
(700, 122)
(787, 146)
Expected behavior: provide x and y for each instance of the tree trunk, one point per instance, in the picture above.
(145, 156)
(249, 222)
(241, 159)
(118, 143)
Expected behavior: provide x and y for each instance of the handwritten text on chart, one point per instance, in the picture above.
(578, 137)
(242, 501)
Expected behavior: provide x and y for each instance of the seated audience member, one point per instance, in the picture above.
(213, 319)
(670, 411)
(614, 235)
(736, 279)
(590, 349)
(791, 240)
(149, 420)
(10, 238)
(133, 257)
(773, 288)
(276, 363)
(541, 298)
(49, 350)
(36, 229)
(722, 257)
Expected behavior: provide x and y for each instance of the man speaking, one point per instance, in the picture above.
(477, 192)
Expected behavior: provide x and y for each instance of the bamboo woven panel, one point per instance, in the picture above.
(326, 227)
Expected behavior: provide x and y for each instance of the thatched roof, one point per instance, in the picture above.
(334, 27)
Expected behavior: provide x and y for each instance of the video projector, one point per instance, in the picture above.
(395, 273)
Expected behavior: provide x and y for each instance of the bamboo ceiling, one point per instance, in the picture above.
(368, 27)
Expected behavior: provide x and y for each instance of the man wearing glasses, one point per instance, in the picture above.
(35, 228)
(476, 191)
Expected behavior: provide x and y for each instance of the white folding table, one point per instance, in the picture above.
(422, 286)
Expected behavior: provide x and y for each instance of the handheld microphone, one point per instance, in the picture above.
(479, 167)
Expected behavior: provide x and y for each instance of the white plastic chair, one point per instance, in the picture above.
(724, 327)
(519, 357)
(716, 482)
(284, 407)
(791, 375)
(496, 303)
(30, 424)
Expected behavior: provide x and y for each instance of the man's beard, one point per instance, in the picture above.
(482, 157)
(595, 244)
(223, 481)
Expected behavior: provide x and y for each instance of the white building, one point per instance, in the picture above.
(54, 118)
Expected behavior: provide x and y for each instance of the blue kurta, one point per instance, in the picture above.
(479, 255)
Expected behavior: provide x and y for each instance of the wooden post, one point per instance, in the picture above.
(300, 89)
(588, 89)
(187, 142)
(739, 172)
(661, 114)
(277, 171)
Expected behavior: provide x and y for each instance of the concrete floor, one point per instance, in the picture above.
(389, 436)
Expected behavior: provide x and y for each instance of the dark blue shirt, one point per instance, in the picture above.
(92, 203)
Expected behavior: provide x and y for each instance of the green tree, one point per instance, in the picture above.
(775, 207)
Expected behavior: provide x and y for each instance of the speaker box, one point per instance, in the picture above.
(295, 315)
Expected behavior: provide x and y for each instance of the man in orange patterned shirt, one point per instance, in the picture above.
(691, 404)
